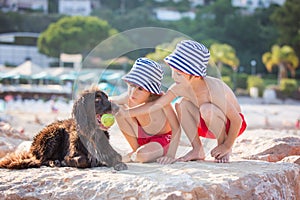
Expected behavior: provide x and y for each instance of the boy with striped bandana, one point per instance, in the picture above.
(154, 135)
(208, 107)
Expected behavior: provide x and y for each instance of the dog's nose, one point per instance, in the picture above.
(108, 107)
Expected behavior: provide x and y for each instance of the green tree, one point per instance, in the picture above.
(223, 54)
(73, 35)
(25, 22)
(250, 46)
(284, 58)
(222, 23)
(287, 19)
(137, 17)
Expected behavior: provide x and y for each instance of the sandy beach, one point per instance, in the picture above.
(31, 116)
(25, 114)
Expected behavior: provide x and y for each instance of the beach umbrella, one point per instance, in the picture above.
(27, 68)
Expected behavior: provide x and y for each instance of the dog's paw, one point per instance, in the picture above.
(63, 163)
(94, 162)
(120, 166)
(54, 163)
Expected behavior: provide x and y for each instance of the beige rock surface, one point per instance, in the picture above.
(10, 138)
(192, 180)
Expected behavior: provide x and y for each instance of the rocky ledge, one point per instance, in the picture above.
(191, 180)
(264, 166)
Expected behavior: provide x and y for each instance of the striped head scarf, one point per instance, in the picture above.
(147, 74)
(189, 57)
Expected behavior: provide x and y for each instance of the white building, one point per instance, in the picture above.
(172, 15)
(25, 5)
(192, 2)
(251, 5)
(75, 7)
(195, 3)
(13, 53)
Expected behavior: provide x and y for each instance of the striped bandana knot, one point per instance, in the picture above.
(147, 74)
(189, 57)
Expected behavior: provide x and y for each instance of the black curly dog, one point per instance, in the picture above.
(81, 141)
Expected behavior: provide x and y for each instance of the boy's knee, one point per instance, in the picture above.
(182, 104)
(206, 111)
(209, 113)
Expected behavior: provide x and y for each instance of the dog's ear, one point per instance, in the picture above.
(84, 115)
(84, 112)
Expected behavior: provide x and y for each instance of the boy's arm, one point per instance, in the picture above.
(121, 99)
(235, 124)
(149, 107)
(176, 131)
(231, 113)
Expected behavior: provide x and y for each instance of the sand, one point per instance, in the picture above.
(32, 116)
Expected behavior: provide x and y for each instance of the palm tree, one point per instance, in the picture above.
(284, 58)
(223, 54)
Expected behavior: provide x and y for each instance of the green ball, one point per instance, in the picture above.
(107, 120)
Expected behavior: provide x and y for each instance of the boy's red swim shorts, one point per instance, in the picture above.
(204, 132)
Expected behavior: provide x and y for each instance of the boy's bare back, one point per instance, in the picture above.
(207, 90)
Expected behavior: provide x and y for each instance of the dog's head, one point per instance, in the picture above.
(84, 106)
(102, 106)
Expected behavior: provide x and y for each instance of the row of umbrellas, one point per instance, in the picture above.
(107, 80)
(30, 70)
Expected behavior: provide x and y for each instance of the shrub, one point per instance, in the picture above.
(226, 71)
(228, 81)
(256, 81)
(288, 86)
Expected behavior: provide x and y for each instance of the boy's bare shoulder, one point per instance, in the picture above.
(214, 81)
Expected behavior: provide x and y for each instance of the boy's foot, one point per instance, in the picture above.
(192, 156)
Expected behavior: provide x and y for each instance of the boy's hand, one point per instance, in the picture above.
(166, 160)
(122, 111)
(220, 151)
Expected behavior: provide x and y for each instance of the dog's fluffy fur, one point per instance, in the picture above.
(77, 142)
